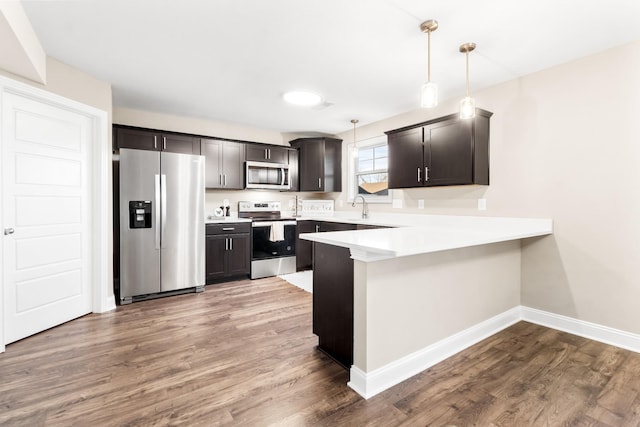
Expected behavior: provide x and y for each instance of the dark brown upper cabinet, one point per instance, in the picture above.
(319, 164)
(444, 151)
(224, 164)
(267, 153)
(147, 139)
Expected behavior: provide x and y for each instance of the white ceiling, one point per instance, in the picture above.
(232, 60)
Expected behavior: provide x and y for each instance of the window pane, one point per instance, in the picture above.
(373, 183)
(381, 151)
(381, 163)
(365, 153)
(365, 165)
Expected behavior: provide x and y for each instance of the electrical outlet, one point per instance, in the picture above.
(420, 203)
(482, 204)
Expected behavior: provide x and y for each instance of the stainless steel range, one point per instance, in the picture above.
(273, 239)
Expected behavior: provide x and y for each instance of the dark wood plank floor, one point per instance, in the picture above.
(243, 353)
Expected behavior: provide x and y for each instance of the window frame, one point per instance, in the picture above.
(352, 171)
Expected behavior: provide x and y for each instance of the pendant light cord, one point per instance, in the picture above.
(354, 121)
(428, 56)
(467, 55)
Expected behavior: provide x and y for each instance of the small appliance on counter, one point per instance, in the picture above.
(273, 239)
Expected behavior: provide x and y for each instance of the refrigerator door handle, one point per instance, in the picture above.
(163, 204)
(157, 209)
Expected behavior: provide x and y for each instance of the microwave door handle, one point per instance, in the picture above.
(282, 180)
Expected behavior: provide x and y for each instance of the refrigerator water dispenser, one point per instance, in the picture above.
(140, 214)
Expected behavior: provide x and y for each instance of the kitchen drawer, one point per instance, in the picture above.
(229, 228)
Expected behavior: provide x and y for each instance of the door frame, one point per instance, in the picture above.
(102, 297)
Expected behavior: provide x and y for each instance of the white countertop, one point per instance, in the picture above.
(421, 234)
(224, 219)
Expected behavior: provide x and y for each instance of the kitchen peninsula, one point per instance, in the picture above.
(416, 293)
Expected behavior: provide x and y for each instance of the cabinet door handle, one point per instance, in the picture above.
(317, 228)
(164, 142)
(225, 179)
(226, 243)
(319, 182)
(426, 174)
(230, 244)
(418, 174)
(8, 231)
(269, 152)
(228, 228)
(155, 142)
(220, 179)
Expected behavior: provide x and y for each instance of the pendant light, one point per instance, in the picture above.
(354, 150)
(468, 104)
(429, 94)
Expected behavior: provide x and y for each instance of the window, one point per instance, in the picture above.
(368, 170)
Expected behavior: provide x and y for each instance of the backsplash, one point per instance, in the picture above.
(214, 199)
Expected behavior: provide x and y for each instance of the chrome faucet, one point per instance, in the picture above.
(365, 208)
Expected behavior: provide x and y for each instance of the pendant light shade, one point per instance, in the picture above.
(467, 108)
(468, 104)
(429, 94)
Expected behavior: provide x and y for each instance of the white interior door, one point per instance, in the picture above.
(46, 215)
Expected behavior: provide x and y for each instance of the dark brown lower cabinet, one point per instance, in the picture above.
(333, 302)
(228, 251)
(304, 248)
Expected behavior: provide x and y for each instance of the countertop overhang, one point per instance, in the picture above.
(422, 234)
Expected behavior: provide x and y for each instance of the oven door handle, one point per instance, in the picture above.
(268, 223)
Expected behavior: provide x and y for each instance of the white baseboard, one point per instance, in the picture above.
(109, 304)
(368, 384)
(581, 328)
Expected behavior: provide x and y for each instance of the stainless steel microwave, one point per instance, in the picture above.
(268, 176)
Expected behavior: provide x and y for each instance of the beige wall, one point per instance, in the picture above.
(214, 198)
(72, 83)
(565, 145)
(153, 120)
(404, 305)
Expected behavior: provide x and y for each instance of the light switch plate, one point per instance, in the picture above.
(420, 203)
(482, 204)
(397, 204)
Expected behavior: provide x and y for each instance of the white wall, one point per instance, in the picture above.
(564, 145)
(22, 53)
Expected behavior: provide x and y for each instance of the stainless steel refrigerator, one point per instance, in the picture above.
(162, 230)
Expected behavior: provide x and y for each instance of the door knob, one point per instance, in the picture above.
(8, 231)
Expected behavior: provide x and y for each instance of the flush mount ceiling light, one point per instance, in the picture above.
(302, 98)
(468, 104)
(429, 94)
